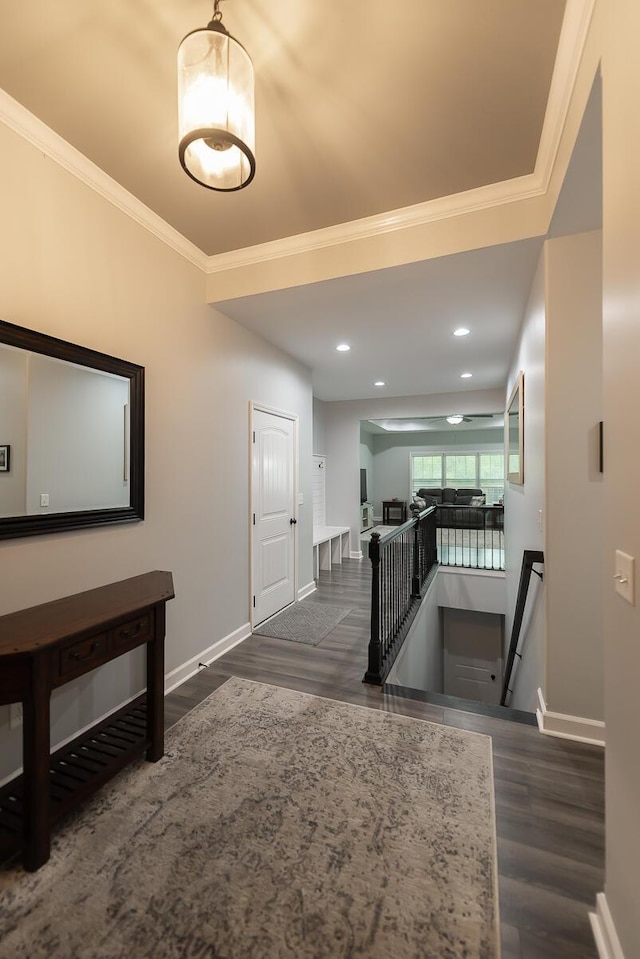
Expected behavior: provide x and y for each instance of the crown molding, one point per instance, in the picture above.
(578, 15)
(575, 28)
(34, 131)
(442, 208)
(573, 35)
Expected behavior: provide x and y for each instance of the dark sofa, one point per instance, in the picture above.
(456, 510)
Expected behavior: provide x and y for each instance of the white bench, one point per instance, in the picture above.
(330, 545)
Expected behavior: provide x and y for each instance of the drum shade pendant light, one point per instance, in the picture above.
(216, 108)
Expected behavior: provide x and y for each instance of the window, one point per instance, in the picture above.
(426, 470)
(460, 469)
(483, 471)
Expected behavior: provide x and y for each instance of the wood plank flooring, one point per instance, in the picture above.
(549, 792)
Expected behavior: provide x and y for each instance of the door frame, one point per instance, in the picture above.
(295, 420)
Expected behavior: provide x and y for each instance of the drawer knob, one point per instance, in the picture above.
(75, 654)
(130, 633)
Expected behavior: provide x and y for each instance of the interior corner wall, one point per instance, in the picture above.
(366, 462)
(76, 267)
(319, 428)
(621, 378)
(574, 523)
(522, 503)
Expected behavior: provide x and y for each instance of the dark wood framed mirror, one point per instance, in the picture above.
(73, 419)
(514, 432)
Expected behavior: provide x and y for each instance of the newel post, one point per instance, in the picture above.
(416, 577)
(374, 672)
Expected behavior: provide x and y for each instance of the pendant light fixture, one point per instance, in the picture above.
(216, 108)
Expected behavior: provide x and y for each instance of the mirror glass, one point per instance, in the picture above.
(71, 435)
(514, 433)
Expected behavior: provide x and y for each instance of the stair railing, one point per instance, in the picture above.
(529, 557)
(401, 563)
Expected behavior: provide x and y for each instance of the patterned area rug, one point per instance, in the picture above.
(304, 622)
(277, 825)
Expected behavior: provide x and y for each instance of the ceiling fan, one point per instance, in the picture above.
(456, 418)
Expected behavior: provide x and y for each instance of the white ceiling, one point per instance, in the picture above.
(362, 108)
(399, 323)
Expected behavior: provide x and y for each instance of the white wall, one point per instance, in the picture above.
(574, 525)
(75, 267)
(522, 503)
(621, 357)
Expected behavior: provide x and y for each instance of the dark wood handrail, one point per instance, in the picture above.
(529, 557)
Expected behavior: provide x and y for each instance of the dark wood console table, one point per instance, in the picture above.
(47, 646)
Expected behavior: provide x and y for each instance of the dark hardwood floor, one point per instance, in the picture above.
(549, 792)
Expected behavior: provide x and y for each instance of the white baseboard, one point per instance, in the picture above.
(307, 590)
(175, 678)
(564, 726)
(604, 931)
(180, 674)
(356, 554)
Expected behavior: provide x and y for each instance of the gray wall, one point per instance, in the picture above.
(319, 429)
(523, 530)
(559, 507)
(75, 267)
(419, 663)
(574, 527)
(76, 434)
(621, 353)
(367, 462)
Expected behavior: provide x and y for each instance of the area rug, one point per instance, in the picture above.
(278, 825)
(304, 622)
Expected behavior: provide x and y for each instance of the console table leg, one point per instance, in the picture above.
(155, 690)
(36, 795)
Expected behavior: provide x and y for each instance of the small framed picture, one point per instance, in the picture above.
(5, 459)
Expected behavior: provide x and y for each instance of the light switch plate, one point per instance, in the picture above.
(624, 576)
(300, 499)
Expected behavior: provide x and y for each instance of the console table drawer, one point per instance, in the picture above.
(131, 634)
(82, 654)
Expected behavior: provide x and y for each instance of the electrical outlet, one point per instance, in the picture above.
(15, 715)
(44, 499)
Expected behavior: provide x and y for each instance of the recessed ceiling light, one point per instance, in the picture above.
(462, 331)
(466, 376)
(379, 383)
(455, 419)
(343, 347)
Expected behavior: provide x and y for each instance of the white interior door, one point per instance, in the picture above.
(274, 513)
